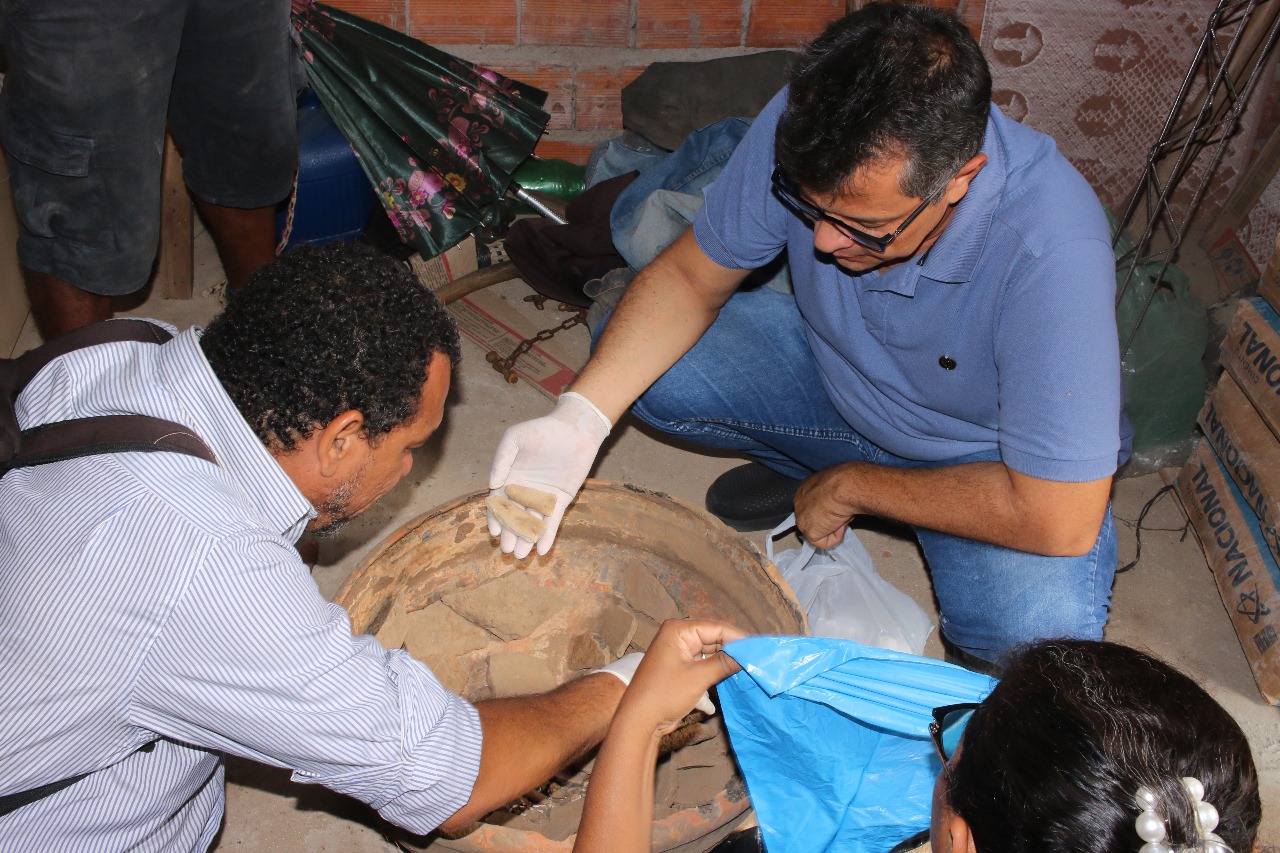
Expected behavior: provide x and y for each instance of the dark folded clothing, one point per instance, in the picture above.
(558, 260)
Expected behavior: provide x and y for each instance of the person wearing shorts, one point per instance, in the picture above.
(90, 88)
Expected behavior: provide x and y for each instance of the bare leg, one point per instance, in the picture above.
(245, 237)
(59, 307)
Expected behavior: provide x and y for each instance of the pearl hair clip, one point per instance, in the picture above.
(1151, 826)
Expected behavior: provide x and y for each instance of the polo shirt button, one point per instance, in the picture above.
(946, 362)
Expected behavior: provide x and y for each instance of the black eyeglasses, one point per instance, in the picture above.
(948, 725)
(792, 196)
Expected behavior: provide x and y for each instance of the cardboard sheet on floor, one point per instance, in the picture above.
(491, 319)
(496, 325)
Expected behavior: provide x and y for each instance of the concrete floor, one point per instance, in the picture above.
(1167, 605)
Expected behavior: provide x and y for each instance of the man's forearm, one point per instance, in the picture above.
(984, 501)
(666, 309)
(529, 738)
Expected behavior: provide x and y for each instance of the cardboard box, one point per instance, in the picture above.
(1269, 284)
(1246, 573)
(1249, 451)
(1251, 354)
(435, 273)
(1232, 266)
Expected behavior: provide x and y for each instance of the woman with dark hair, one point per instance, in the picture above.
(1098, 747)
(1082, 746)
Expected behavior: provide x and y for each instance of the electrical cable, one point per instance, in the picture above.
(1137, 555)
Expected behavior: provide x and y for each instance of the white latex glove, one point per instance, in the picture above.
(624, 669)
(553, 454)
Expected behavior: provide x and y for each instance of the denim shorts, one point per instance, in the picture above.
(90, 88)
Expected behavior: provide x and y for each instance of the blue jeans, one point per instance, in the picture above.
(751, 385)
(688, 169)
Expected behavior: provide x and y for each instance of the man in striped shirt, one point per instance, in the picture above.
(154, 613)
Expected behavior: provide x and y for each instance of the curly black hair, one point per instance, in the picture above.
(323, 330)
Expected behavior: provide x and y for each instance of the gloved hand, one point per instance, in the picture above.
(553, 454)
(624, 668)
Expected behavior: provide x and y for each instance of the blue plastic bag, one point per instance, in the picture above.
(833, 739)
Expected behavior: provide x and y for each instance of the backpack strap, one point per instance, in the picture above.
(61, 440)
(70, 439)
(13, 802)
(27, 365)
(17, 372)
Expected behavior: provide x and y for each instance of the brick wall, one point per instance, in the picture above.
(582, 52)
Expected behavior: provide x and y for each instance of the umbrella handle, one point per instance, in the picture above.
(525, 196)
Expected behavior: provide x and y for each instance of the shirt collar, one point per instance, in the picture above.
(239, 451)
(955, 255)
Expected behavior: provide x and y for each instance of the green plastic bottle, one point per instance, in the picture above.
(558, 178)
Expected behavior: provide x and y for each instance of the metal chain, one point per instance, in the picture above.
(506, 366)
(288, 222)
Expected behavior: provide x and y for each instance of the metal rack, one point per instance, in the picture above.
(1204, 116)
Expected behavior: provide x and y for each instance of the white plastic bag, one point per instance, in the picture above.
(845, 598)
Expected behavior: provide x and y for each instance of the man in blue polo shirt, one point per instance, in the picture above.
(949, 359)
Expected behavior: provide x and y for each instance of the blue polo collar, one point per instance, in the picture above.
(954, 257)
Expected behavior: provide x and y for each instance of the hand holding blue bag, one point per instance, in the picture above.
(833, 739)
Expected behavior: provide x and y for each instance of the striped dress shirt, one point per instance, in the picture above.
(149, 596)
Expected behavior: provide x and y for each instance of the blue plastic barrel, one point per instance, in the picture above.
(334, 196)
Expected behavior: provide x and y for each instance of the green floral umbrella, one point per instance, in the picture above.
(438, 136)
